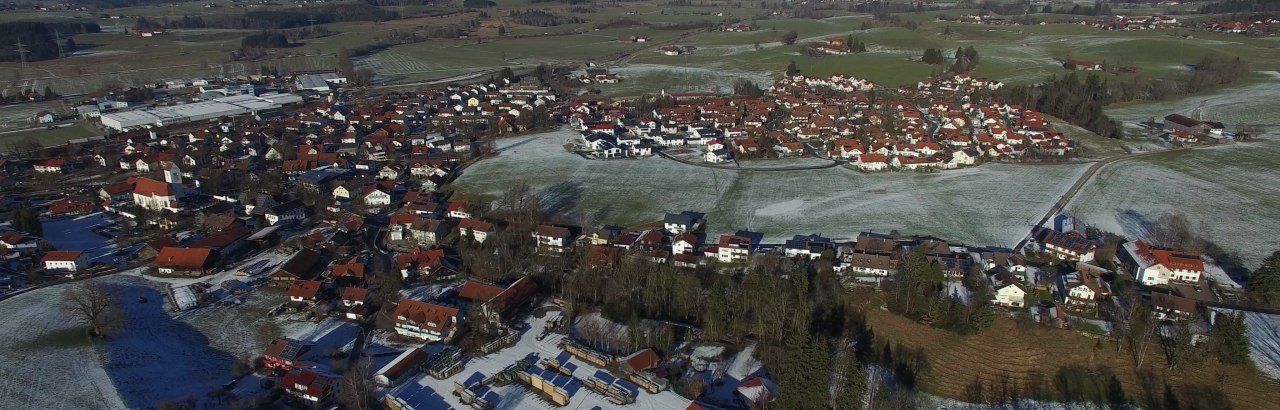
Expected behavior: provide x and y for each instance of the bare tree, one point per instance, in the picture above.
(93, 305)
(358, 387)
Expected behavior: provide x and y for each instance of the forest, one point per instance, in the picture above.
(41, 40)
(539, 18)
(265, 39)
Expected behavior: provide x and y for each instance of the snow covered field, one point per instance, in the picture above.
(1231, 189)
(1264, 340)
(425, 392)
(994, 204)
(46, 362)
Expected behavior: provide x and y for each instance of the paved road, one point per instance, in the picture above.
(831, 164)
(1084, 179)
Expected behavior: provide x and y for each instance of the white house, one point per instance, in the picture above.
(70, 261)
(733, 248)
(1011, 295)
(426, 321)
(1153, 266)
(686, 243)
(375, 196)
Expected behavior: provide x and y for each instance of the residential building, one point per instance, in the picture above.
(172, 260)
(1153, 266)
(426, 321)
(70, 261)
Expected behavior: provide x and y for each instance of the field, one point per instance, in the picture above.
(990, 205)
(45, 359)
(1231, 189)
(19, 116)
(973, 368)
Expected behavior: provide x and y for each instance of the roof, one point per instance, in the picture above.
(301, 263)
(405, 362)
(1178, 260)
(352, 268)
(306, 289)
(1170, 302)
(643, 360)
(151, 187)
(553, 231)
(62, 256)
(426, 315)
(183, 258)
(355, 294)
(479, 292)
(1182, 120)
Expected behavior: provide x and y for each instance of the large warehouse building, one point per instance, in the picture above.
(198, 111)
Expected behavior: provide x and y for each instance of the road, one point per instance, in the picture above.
(1084, 179)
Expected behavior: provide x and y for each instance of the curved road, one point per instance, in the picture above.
(832, 164)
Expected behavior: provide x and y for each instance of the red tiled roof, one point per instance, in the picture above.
(426, 315)
(183, 258)
(306, 289)
(151, 187)
(61, 256)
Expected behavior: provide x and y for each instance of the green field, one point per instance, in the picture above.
(49, 137)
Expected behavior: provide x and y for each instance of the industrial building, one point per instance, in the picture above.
(198, 111)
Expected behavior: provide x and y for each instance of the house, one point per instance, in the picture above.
(284, 353)
(734, 248)
(859, 262)
(475, 229)
(1011, 294)
(351, 272)
(1086, 65)
(426, 321)
(1153, 266)
(873, 162)
(312, 387)
(301, 266)
(69, 261)
(375, 195)
(46, 117)
(755, 393)
(1171, 307)
(686, 221)
(430, 231)
(353, 300)
(1069, 245)
(285, 213)
(685, 244)
(420, 262)
(172, 260)
(304, 291)
(1081, 288)
(809, 246)
(155, 195)
(1179, 122)
(55, 165)
(553, 239)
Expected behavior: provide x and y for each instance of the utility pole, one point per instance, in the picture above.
(57, 39)
(311, 18)
(22, 53)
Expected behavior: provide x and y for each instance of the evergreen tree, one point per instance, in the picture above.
(1267, 278)
(802, 383)
(853, 384)
(791, 68)
(27, 219)
(1232, 339)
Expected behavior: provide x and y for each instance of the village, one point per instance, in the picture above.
(338, 208)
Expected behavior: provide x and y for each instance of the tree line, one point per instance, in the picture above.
(42, 41)
(278, 19)
(539, 18)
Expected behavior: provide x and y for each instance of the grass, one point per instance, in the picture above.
(50, 137)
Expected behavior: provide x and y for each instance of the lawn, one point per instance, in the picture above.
(47, 137)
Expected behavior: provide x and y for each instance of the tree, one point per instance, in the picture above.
(1232, 339)
(791, 69)
(853, 382)
(93, 305)
(803, 379)
(1267, 278)
(358, 388)
(27, 219)
(790, 38)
